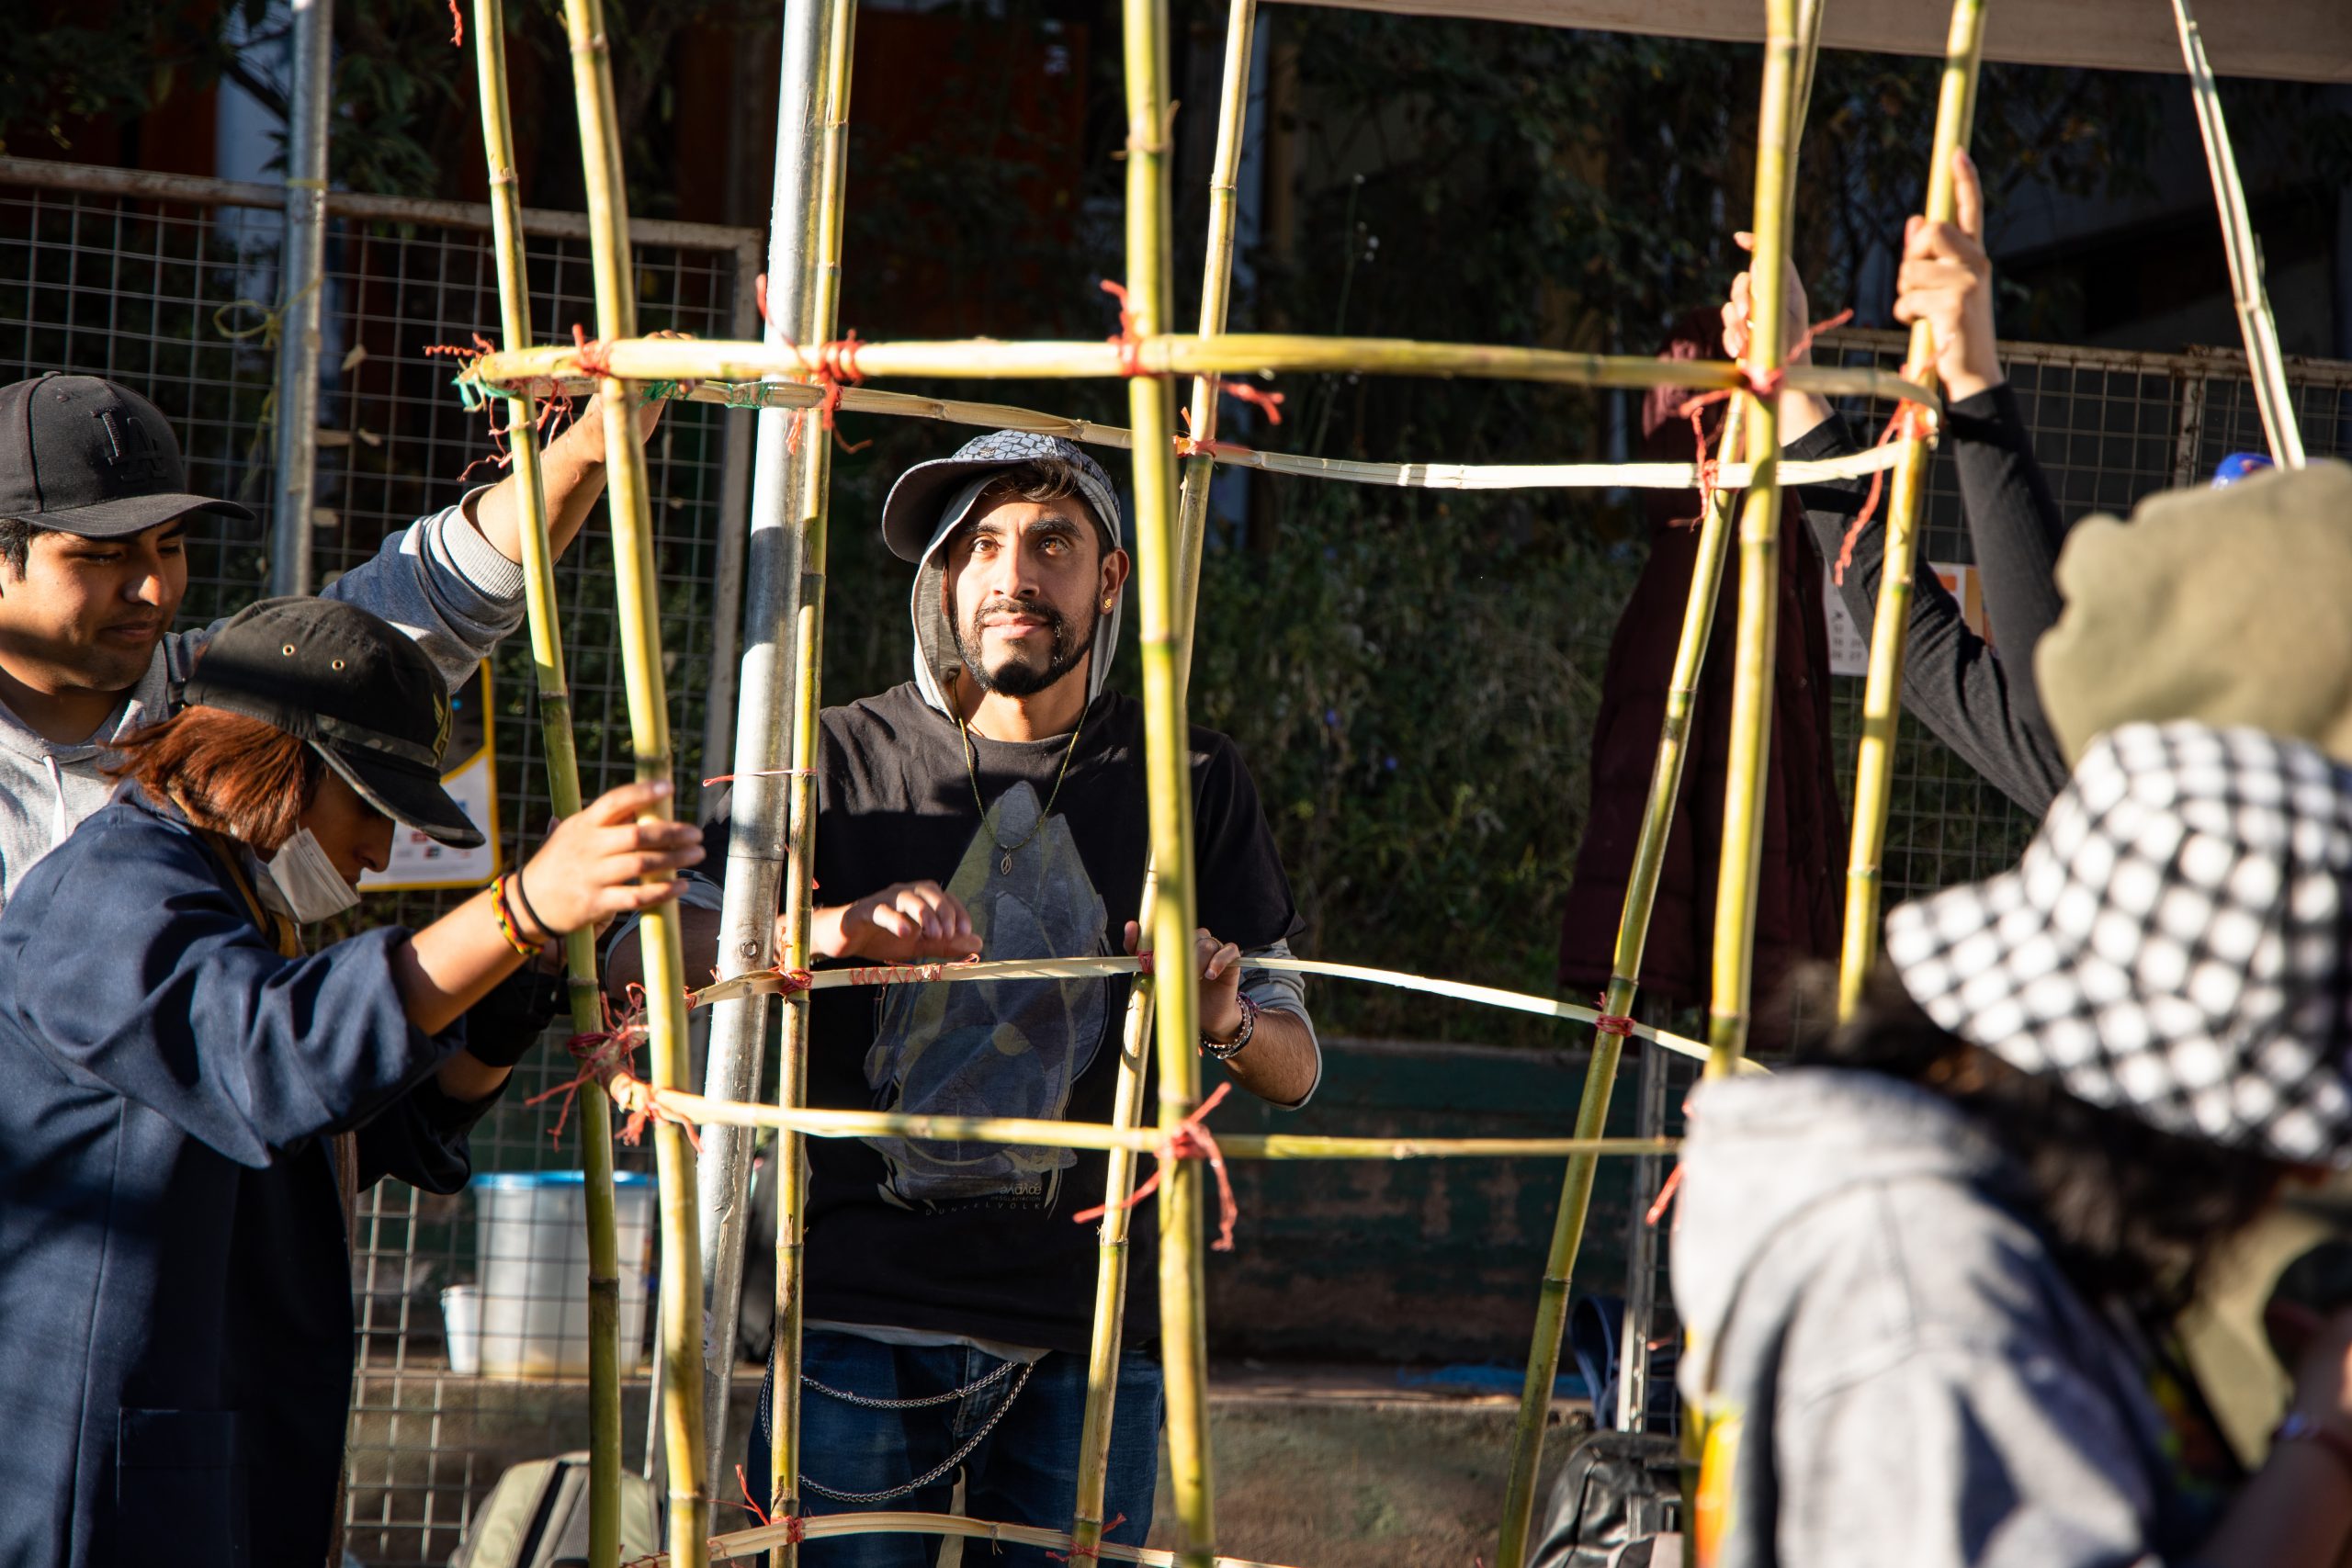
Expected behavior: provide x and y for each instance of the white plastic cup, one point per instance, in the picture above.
(531, 1257)
(461, 1328)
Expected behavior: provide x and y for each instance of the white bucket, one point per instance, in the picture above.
(461, 1328)
(531, 1255)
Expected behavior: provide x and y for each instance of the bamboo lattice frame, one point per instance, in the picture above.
(776, 376)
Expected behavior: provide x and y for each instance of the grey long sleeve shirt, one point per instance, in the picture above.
(437, 580)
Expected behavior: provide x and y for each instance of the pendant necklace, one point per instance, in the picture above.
(971, 771)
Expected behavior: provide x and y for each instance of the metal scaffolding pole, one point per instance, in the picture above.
(756, 845)
(302, 258)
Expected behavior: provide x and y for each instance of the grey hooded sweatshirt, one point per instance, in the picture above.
(1888, 1367)
(437, 580)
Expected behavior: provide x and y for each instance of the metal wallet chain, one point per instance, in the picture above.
(945, 1467)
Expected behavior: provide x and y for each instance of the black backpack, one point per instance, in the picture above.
(1618, 1504)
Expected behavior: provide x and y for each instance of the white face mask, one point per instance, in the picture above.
(301, 881)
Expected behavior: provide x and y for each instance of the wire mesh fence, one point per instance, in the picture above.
(167, 285)
(468, 1358)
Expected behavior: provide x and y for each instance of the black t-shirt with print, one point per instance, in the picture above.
(970, 1238)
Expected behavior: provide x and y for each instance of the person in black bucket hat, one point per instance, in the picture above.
(195, 1103)
(96, 506)
(996, 805)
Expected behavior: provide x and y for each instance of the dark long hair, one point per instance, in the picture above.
(2134, 1216)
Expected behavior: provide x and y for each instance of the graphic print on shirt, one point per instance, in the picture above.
(996, 1047)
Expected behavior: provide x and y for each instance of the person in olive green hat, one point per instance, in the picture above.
(2228, 606)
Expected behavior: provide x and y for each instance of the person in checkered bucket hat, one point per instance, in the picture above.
(1932, 1269)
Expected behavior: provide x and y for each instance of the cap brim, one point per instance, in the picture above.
(412, 799)
(910, 515)
(135, 515)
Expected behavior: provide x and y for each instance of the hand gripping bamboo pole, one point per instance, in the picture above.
(1633, 933)
(1882, 692)
(640, 629)
(792, 1176)
(1167, 760)
(563, 793)
(1200, 473)
(2260, 328)
(760, 804)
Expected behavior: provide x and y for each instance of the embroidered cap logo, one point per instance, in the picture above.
(131, 452)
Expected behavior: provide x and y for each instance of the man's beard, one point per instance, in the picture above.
(1017, 676)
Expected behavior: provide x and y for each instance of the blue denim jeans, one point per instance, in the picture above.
(1024, 1472)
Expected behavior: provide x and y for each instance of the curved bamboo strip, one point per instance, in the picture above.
(630, 509)
(1890, 624)
(563, 795)
(1730, 476)
(636, 1096)
(746, 1543)
(1155, 354)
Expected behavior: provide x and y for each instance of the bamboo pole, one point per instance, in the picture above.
(792, 1178)
(1168, 773)
(1890, 624)
(2264, 362)
(1160, 354)
(1760, 564)
(743, 1543)
(1633, 932)
(1126, 1110)
(563, 792)
(1729, 475)
(640, 629)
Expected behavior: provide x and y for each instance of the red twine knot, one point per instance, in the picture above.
(1909, 423)
(595, 354)
(1189, 1139)
(1763, 383)
(1078, 1550)
(1130, 346)
(836, 364)
(456, 26)
(1611, 1023)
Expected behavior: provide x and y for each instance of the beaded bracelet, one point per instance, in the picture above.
(506, 926)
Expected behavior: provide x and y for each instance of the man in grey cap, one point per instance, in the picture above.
(995, 804)
(95, 512)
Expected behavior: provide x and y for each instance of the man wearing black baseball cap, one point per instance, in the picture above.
(995, 804)
(94, 509)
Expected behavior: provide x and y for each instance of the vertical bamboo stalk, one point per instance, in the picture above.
(1111, 1258)
(2260, 328)
(1167, 758)
(1633, 929)
(816, 473)
(563, 793)
(1760, 565)
(1882, 691)
(640, 628)
(760, 804)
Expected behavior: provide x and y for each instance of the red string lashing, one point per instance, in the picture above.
(836, 362)
(749, 1504)
(1611, 1023)
(1665, 1199)
(456, 26)
(1909, 423)
(1763, 383)
(1189, 1139)
(1076, 1551)
(602, 1055)
(596, 355)
(1130, 346)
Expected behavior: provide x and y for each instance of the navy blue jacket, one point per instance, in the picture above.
(175, 1312)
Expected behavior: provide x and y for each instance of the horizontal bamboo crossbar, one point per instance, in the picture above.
(762, 1538)
(1230, 353)
(1399, 476)
(634, 1095)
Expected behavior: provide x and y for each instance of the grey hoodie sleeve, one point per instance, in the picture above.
(440, 581)
(1961, 1455)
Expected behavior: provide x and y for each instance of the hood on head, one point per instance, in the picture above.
(931, 500)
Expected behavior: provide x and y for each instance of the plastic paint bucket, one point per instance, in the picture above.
(461, 1328)
(531, 1260)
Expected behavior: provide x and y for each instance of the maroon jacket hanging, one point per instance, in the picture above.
(1804, 825)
